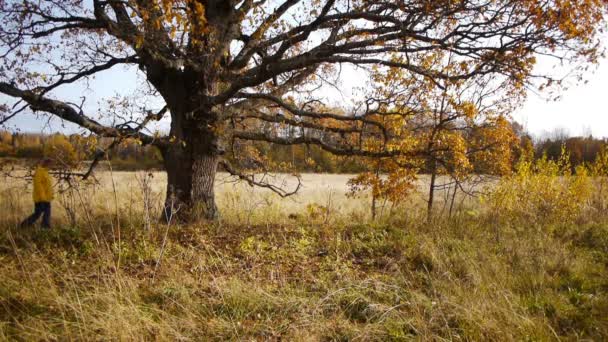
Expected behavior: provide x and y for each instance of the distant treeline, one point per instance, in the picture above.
(581, 149)
(130, 155)
(72, 149)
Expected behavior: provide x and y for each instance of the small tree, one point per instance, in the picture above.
(386, 182)
(448, 128)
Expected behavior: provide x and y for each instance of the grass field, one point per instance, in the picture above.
(238, 202)
(314, 267)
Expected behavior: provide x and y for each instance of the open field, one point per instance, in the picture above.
(238, 202)
(314, 268)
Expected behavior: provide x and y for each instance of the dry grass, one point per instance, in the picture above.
(238, 202)
(325, 273)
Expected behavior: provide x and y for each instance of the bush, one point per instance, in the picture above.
(59, 149)
(544, 190)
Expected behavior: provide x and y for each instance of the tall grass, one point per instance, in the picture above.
(311, 268)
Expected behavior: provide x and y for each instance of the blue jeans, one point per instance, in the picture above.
(40, 208)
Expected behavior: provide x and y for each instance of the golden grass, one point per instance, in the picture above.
(239, 202)
(318, 275)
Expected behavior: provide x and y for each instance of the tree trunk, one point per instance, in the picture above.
(203, 179)
(190, 186)
(191, 165)
(373, 206)
(453, 199)
(429, 209)
(374, 192)
(194, 151)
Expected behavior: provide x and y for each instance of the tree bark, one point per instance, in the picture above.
(203, 179)
(374, 192)
(190, 187)
(191, 164)
(429, 208)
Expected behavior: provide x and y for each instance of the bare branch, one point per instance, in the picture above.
(68, 113)
(334, 148)
(250, 179)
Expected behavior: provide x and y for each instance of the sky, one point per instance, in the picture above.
(582, 109)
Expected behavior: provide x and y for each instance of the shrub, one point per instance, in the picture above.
(58, 148)
(544, 190)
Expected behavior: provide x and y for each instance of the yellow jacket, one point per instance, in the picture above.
(43, 188)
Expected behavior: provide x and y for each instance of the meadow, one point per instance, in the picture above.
(526, 261)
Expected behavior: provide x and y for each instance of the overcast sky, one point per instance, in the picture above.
(583, 108)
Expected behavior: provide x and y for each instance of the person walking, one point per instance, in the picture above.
(43, 195)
